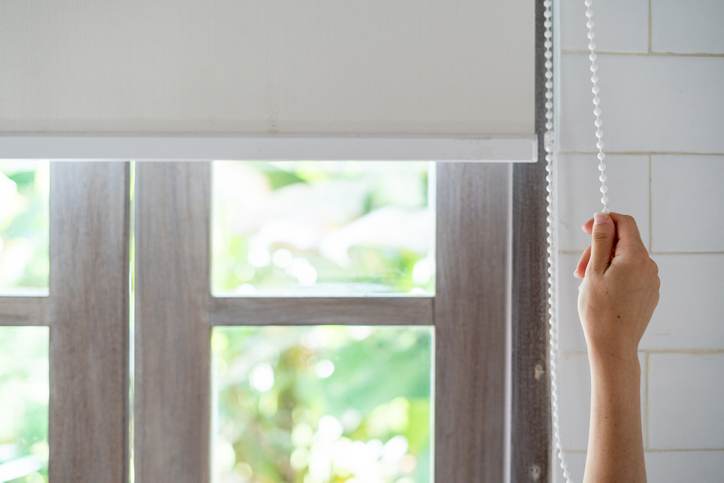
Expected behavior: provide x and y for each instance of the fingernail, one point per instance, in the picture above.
(601, 218)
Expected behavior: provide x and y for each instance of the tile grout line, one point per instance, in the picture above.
(685, 450)
(639, 153)
(651, 29)
(685, 352)
(653, 54)
(651, 205)
(659, 450)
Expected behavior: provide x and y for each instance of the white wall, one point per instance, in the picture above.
(662, 90)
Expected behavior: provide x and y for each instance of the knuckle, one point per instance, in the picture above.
(599, 235)
(642, 254)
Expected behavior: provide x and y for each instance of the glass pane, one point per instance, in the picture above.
(322, 404)
(322, 228)
(24, 227)
(24, 404)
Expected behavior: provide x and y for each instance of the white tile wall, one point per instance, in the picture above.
(575, 391)
(686, 401)
(690, 315)
(685, 466)
(687, 193)
(691, 26)
(579, 196)
(650, 103)
(621, 25)
(663, 116)
(570, 334)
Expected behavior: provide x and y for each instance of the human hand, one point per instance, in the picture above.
(620, 287)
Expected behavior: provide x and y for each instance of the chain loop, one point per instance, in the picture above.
(550, 159)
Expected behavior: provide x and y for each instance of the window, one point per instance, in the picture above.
(409, 363)
(323, 228)
(23, 227)
(24, 403)
(257, 407)
(24, 384)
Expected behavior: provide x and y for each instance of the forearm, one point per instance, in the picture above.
(615, 443)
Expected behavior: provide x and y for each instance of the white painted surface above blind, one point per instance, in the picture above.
(377, 67)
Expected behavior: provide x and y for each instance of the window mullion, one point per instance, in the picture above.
(172, 352)
(88, 315)
(471, 317)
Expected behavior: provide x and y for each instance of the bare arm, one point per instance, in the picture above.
(619, 292)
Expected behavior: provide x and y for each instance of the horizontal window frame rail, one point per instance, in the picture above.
(295, 311)
(24, 311)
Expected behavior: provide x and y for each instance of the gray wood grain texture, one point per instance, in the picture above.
(530, 403)
(470, 322)
(88, 309)
(172, 330)
(23, 310)
(322, 310)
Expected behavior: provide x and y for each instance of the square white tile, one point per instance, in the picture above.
(621, 25)
(686, 408)
(687, 194)
(650, 103)
(685, 466)
(690, 314)
(691, 26)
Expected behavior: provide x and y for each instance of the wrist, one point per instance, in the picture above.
(615, 379)
(613, 360)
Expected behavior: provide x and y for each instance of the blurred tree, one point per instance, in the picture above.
(322, 404)
(24, 264)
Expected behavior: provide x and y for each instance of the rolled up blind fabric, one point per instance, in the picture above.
(329, 68)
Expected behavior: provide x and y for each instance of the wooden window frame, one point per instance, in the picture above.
(530, 436)
(87, 315)
(175, 313)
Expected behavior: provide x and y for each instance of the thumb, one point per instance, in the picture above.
(602, 240)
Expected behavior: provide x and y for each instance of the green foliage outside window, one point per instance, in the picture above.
(322, 228)
(322, 404)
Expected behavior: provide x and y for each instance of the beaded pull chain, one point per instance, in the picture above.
(595, 90)
(551, 259)
(550, 158)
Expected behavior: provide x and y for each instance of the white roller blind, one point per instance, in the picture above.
(268, 67)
